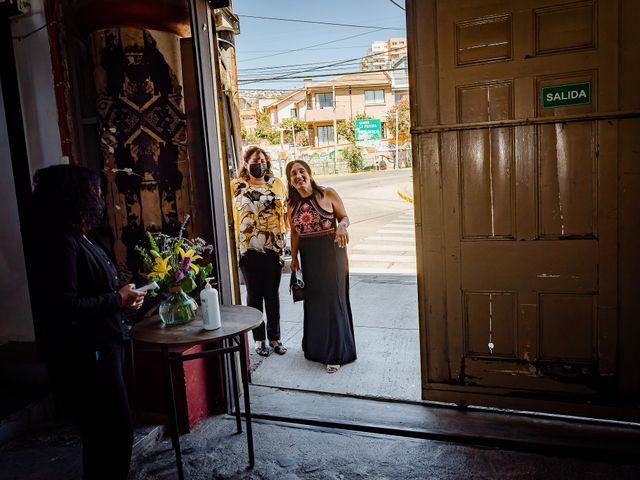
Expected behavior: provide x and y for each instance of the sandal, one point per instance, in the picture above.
(279, 348)
(333, 368)
(262, 349)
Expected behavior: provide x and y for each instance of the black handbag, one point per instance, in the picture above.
(296, 286)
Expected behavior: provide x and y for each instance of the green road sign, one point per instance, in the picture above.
(564, 95)
(369, 129)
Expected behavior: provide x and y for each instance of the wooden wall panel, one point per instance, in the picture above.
(486, 39)
(490, 324)
(567, 180)
(486, 162)
(565, 316)
(562, 28)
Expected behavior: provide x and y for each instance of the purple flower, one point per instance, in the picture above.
(179, 276)
(185, 263)
(184, 224)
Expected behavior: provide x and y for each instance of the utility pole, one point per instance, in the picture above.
(293, 132)
(335, 131)
(396, 165)
(281, 150)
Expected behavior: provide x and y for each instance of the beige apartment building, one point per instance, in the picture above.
(368, 93)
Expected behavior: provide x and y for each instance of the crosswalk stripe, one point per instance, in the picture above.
(382, 247)
(410, 271)
(395, 230)
(383, 258)
(390, 238)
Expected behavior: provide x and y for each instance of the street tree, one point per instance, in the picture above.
(404, 122)
(265, 130)
(300, 128)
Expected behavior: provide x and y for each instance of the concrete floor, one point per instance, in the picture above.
(290, 452)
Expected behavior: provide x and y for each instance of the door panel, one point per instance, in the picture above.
(518, 221)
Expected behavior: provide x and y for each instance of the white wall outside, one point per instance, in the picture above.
(40, 118)
(37, 95)
(16, 322)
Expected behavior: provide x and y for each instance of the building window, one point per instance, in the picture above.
(294, 113)
(325, 135)
(324, 100)
(373, 97)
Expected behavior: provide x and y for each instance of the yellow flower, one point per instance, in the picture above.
(161, 267)
(191, 253)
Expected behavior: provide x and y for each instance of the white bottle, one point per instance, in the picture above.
(210, 307)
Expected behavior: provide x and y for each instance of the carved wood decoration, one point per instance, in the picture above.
(142, 135)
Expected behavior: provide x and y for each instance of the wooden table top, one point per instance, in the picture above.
(236, 319)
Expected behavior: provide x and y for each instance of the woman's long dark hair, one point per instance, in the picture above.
(293, 197)
(67, 196)
(248, 153)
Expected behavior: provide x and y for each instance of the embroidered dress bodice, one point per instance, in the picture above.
(311, 220)
(259, 216)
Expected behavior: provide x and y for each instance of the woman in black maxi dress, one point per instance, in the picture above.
(319, 232)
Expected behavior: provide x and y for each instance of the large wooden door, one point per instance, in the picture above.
(517, 207)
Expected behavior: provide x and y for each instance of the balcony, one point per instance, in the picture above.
(320, 115)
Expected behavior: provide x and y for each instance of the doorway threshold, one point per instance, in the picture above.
(445, 423)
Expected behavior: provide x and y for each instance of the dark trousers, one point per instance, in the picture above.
(92, 387)
(262, 273)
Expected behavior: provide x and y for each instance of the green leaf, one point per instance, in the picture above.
(188, 284)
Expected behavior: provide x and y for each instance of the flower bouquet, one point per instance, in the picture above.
(176, 264)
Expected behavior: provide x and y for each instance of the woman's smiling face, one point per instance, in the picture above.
(299, 177)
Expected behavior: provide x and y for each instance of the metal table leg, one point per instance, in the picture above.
(247, 401)
(236, 396)
(173, 416)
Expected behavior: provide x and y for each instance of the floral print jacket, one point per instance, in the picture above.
(259, 215)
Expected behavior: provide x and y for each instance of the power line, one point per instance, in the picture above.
(311, 46)
(328, 48)
(398, 5)
(248, 81)
(322, 64)
(320, 23)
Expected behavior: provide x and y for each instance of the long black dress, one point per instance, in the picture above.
(328, 324)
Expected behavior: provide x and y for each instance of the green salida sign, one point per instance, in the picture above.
(567, 94)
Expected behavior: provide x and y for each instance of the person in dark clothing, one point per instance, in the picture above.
(79, 304)
(319, 225)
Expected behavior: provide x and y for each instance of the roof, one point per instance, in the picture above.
(355, 79)
(285, 98)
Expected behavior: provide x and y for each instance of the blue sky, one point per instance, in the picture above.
(271, 39)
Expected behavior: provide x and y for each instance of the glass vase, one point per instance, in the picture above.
(179, 308)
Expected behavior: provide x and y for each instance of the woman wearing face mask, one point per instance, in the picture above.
(259, 217)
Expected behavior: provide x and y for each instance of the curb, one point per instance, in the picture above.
(405, 197)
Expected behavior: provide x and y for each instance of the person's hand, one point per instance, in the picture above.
(294, 265)
(342, 236)
(131, 297)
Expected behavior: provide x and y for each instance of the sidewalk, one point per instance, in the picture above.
(385, 314)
